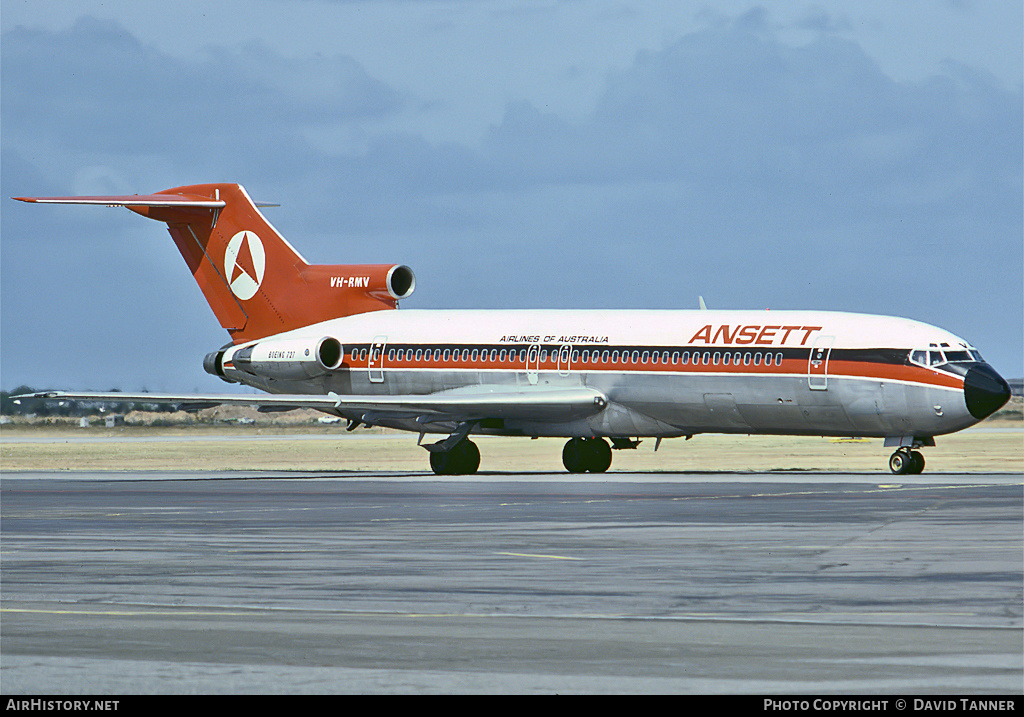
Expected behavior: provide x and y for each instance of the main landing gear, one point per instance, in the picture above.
(462, 459)
(456, 454)
(906, 462)
(580, 455)
(587, 454)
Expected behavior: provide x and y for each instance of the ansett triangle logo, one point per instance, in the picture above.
(244, 264)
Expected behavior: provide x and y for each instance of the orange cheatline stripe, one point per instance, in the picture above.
(836, 369)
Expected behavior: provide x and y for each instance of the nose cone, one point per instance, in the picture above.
(985, 391)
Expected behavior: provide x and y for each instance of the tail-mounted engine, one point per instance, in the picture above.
(281, 359)
(355, 288)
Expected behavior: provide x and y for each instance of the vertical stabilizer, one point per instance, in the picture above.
(255, 281)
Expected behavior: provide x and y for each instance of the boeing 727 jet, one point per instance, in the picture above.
(331, 337)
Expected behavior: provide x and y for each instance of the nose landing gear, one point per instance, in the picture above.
(906, 462)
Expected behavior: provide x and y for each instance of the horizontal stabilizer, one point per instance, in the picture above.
(134, 200)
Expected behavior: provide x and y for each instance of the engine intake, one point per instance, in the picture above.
(401, 282)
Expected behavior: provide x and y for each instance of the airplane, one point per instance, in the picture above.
(332, 338)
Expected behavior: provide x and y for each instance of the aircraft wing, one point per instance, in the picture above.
(466, 404)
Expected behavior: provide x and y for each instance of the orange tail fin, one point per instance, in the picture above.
(256, 283)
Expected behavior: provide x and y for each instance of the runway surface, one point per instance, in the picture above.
(244, 582)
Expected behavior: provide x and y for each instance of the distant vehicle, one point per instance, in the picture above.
(328, 337)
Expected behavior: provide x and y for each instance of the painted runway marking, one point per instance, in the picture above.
(534, 555)
(118, 613)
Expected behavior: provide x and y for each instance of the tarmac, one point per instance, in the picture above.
(367, 581)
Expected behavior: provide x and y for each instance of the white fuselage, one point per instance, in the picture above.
(665, 373)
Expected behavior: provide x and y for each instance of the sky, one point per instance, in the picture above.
(861, 155)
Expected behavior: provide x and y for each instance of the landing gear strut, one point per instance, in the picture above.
(906, 462)
(587, 454)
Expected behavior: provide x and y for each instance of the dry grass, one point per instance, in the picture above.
(995, 446)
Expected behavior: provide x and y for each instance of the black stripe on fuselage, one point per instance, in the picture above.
(631, 354)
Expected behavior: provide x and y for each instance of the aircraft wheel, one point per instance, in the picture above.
(901, 461)
(587, 454)
(468, 458)
(439, 463)
(917, 463)
(600, 455)
(574, 455)
(462, 459)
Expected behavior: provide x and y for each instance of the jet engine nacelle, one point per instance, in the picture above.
(384, 283)
(284, 359)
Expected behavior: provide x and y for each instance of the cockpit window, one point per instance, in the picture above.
(958, 356)
(936, 357)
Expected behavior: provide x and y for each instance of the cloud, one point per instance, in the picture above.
(729, 163)
(736, 106)
(95, 91)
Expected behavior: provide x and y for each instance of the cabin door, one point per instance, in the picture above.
(375, 362)
(817, 364)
